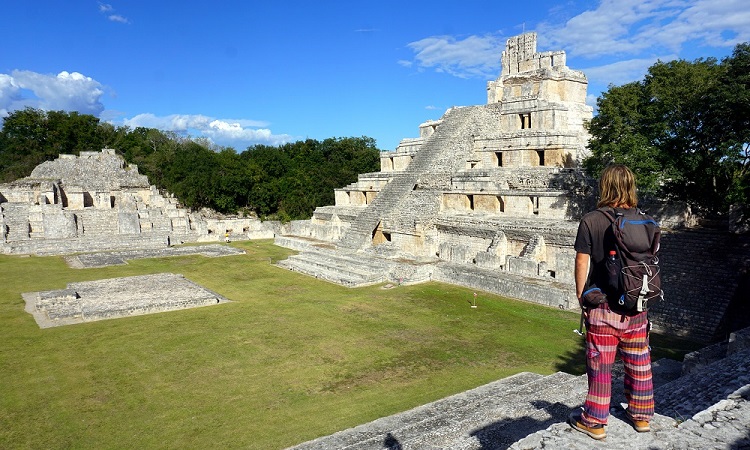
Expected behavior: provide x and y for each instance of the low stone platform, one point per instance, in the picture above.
(117, 297)
(103, 259)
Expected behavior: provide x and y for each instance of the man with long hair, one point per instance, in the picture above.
(610, 330)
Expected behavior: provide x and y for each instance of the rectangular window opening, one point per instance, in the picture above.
(525, 120)
(535, 205)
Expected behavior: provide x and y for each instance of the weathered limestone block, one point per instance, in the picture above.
(341, 197)
(520, 206)
(456, 202)
(128, 222)
(357, 198)
(536, 249)
(487, 203)
(487, 260)
(564, 264)
(75, 197)
(556, 207)
(59, 224)
(400, 163)
(522, 266)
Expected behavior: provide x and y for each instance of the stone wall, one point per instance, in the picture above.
(701, 272)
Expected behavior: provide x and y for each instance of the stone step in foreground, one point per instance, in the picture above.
(708, 408)
(469, 419)
(723, 425)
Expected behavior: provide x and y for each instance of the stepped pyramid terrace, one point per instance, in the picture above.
(95, 201)
(487, 196)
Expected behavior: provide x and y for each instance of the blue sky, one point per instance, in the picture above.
(249, 72)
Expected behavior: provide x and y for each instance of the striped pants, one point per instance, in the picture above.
(607, 333)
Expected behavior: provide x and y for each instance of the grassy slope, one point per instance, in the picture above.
(289, 359)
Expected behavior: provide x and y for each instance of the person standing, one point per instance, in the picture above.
(609, 329)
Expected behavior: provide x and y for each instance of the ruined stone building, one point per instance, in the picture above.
(490, 196)
(485, 197)
(96, 202)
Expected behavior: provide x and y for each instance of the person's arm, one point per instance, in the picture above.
(581, 273)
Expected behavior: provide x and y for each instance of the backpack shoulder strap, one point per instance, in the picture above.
(608, 214)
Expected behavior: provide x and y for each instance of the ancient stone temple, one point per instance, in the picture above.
(485, 197)
(95, 201)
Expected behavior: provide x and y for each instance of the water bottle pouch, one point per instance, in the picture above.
(593, 298)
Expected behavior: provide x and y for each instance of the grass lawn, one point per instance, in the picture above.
(289, 359)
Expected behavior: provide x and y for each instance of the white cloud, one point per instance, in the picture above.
(224, 132)
(471, 57)
(622, 72)
(65, 91)
(118, 18)
(632, 27)
(108, 10)
(636, 30)
(10, 94)
(72, 91)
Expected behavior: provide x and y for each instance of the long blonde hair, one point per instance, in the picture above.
(617, 187)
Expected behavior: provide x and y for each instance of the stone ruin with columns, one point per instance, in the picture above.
(486, 197)
(95, 201)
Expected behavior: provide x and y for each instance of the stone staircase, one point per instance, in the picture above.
(705, 409)
(346, 269)
(93, 222)
(15, 217)
(440, 155)
(398, 203)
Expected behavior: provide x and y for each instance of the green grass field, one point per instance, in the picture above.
(289, 359)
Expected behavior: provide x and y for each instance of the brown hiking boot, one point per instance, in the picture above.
(596, 432)
(641, 426)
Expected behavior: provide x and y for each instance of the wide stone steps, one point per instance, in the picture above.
(16, 229)
(709, 408)
(696, 391)
(433, 156)
(86, 244)
(341, 268)
(499, 412)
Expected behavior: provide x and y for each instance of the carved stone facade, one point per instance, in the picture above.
(95, 202)
(488, 195)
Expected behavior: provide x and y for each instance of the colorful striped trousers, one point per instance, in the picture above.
(607, 333)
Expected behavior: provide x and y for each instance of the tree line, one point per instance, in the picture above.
(684, 130)
(285, 182)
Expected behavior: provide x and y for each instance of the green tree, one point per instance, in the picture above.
(32, 136)
(683, 131)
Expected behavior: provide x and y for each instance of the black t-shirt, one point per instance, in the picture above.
(595, 238)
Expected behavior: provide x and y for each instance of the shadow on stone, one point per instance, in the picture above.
(391, 443)
(502, 434)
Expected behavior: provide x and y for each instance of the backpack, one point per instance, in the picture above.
(633, 266)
